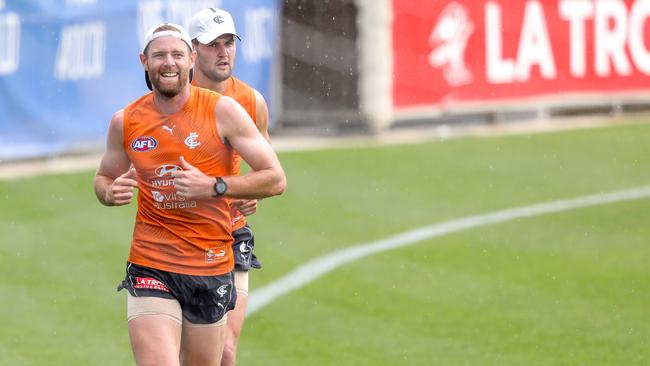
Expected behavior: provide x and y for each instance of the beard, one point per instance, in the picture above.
(221, 76)
(169, 89)
(214, 74)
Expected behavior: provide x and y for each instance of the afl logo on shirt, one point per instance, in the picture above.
(144, 143)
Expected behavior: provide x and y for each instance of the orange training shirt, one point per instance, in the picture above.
(245, 96)
(172, 233)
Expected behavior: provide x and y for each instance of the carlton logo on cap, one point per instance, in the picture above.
(211, 23)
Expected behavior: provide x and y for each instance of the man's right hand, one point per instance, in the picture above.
(121, 191)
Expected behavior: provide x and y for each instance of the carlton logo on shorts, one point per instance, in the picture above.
(222, 290)
(143, 144)
(148, 283)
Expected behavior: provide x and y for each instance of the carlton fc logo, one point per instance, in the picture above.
(191, 140)
(144, 143)
(449, 41)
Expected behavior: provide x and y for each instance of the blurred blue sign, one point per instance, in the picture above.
(67, 65)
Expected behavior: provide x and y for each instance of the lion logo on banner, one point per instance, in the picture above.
(449, 41)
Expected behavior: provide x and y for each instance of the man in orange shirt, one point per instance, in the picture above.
(213, 36)
(177, 145)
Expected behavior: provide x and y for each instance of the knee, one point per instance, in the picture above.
(154, 361)
(229, 353)
(197, 360)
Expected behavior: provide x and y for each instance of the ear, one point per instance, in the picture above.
(192, 58)
(143, 61)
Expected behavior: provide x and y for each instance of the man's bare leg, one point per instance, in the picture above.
(202, 345)
(236, 320)
(154, 329)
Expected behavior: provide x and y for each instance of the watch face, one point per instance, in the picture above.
(221, 188)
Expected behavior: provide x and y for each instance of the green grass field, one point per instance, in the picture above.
(571, 288)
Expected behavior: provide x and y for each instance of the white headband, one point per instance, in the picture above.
(180, 33)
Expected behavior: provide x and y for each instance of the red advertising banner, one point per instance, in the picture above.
(468, 51)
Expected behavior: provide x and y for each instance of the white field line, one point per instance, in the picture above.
(318, 267)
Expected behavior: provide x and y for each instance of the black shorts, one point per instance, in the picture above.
(242, 248)
(203, 299)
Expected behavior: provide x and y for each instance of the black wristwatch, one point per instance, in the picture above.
(220, 187)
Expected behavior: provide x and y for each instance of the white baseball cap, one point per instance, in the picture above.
(208, 24)
(179, 33)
